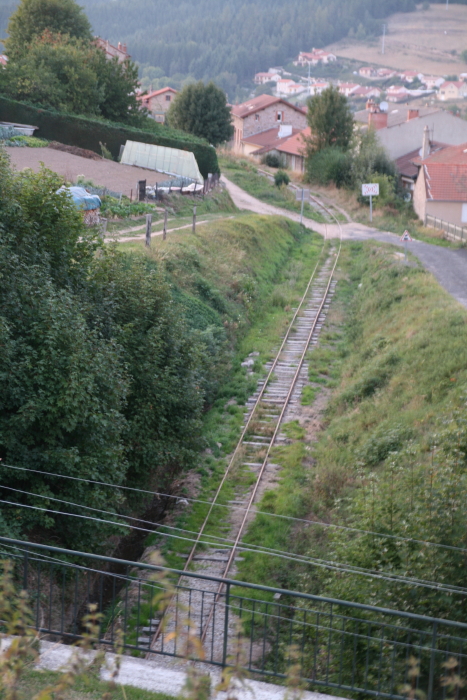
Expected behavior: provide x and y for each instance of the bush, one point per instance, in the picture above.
(281, 178)
(272, 160)
(330, 165)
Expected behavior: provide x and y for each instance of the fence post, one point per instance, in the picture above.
(432, 661)
(164, 230)
(194, 219)
(226, 625)
(148, 229)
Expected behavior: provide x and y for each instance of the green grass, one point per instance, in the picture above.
(84, 688)
(245, 175)
(400, 376)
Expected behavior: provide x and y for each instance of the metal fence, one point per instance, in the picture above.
(342, 646)
(452, 231)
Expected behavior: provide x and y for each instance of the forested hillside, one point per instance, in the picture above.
(223, 40)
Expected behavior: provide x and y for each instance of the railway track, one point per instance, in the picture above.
(275, 398)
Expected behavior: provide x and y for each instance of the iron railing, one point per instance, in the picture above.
(457, 233)
(341, 646)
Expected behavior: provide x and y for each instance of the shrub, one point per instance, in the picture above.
(281, 178)
(272, 160)
(330, 165)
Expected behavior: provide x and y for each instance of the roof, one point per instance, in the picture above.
(407, 164)
(446, 174)
(267, 140)
(258, 103)
(295, 145)
(398, 115)
(457, 83)
(154, 93)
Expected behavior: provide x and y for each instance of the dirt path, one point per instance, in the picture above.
(448, 265)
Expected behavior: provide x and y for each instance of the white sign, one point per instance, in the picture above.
(406, 236)
(298, 194)
(372, 188)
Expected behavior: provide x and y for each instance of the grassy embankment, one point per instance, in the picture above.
(258, 267)
(392, 456)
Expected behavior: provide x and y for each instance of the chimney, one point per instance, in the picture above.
(378, 120)
(371, 105)
(119, 46)
(412, 114)
(425, 143)
(124, 48)
(285, 130)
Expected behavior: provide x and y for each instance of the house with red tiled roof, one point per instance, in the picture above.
(285, 142)
(366, 92)
(348, 88)
(111, 51)
(158, 102)
(262, 113)
(3, 60)
(314, 57)
(262, 78)
(441, 186)
(452, 90)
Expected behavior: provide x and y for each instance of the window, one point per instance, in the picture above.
(256, 117)
(167, 98)
(279, 116)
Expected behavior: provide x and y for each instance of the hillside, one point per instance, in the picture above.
(226, 41)
(430, 41)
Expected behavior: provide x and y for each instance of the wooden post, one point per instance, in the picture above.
(194, 219)
(131, 195)
(148, 229)
(164, 232)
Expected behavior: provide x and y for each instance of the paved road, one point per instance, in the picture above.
(448, 265)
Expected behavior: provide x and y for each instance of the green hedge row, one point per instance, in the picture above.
(88, 133)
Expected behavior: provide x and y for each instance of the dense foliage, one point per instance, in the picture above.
(109, 359)
(33, 17)
(330, 120)
(53, 63)
(225, 41)
(202, 110)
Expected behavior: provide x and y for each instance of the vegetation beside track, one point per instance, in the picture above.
(393, 453)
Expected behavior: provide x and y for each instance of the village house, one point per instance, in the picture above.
(396, 93)
(158, 102)
(408, 76)
(368, 72)
(452, 90)
(432, 82)
(285, 142)
(314, 57)
(262, 78)
(400, 130)
(110, 51)
(347, 89)
(3, 60)
(366, 92)
(407, 165)
(262, 113)
(317, 88)
(289, 87)
(440, 189)
(386, 73)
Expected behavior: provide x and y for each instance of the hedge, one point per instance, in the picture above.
(88, 133)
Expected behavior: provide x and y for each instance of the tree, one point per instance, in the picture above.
(33, 17)
(202, 110)
(330, 120)
(73, 75)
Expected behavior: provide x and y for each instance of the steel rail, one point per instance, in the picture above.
(244, 432)
(276, 431)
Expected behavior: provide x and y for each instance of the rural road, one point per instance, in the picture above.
(448, 265)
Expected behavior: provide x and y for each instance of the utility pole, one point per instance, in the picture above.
(384, 36)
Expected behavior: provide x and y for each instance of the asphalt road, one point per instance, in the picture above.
(448, 265)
